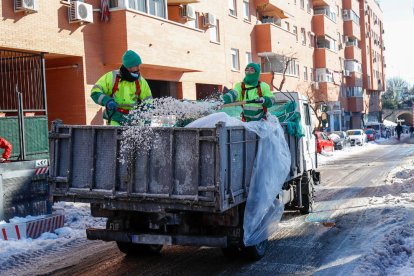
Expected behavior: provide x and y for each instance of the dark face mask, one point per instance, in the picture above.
(128, 76)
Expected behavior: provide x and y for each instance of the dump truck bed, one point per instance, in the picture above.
(195, 169)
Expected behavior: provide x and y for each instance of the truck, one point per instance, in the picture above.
(191, 189)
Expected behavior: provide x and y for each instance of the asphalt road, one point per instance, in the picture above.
(319, 243)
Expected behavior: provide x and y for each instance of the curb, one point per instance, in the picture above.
(31, 229)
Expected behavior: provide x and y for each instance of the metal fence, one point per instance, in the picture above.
(22, 72)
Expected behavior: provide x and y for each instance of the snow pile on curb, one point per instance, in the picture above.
(394, 253)
(77, 219)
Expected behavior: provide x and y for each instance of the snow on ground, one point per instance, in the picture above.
(77, 218)
(391, 249)
(391, 254)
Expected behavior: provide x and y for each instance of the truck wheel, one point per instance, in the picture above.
(134, 249)
(231, 252)
(256, 252)
(307, 203)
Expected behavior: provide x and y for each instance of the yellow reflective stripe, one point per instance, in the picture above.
(101, 97)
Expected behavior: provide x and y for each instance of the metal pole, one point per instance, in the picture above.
(20, 115)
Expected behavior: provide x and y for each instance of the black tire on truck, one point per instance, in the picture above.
(307, 194)
(307, 203)
(256, 252)
(232, 252)
(133, 249)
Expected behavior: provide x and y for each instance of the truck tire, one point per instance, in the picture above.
(307, 203)
(133, 249)
(231, 252)
(256, 252)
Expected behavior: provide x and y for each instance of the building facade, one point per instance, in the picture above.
(192, 48)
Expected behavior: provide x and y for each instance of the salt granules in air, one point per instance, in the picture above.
(163, 112)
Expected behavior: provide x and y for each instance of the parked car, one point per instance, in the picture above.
(323, 143)
(370, 134)
(357, 136)
(340, 139)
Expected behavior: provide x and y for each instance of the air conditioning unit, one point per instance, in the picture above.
(80, 12)
(29, 6)
(210, 20)
(188, 11)
(340, 46)
(346, 73)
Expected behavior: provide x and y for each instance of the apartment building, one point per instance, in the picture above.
(373, 62)
(192, 48)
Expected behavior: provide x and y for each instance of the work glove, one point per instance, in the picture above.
(2, 160)
(261, 100)
(226, 99)
(111, 105)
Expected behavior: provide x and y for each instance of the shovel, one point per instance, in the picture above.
(239, 103)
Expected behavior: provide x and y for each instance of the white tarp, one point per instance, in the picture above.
(263, 210)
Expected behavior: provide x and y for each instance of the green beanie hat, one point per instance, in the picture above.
(252, 79)
(131, 59)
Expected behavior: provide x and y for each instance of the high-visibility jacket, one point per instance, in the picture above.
(125, 96)
(4, 144)
(252, 111)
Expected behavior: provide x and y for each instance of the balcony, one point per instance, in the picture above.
(353, 52)
(351, 29)
(355, 104)
(320, 3)
(351, 5)
(169, 51)
(329, 91)
(322, 26)
(271, 38)
(272, 8)
(326, 58)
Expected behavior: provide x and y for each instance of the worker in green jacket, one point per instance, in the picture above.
(251, 90)
(121, 91)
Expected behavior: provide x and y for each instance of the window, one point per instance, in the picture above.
(194, 23)
(232, 7)
(246, 10)
(303, 36)
(305, 73)
(311, 75)
(235, 65)
(287, 26)
(307, 114)
(277, 64)
(157, 8)
(153, 7)
(302, 4)
(295, 31)
(248, 57)
(215, 32)
(310, 6)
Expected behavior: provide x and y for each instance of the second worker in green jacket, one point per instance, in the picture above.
(251, 89)
(121, 91)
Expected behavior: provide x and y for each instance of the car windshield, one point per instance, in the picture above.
(339, 133)
(354, 132)
(369, 131)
